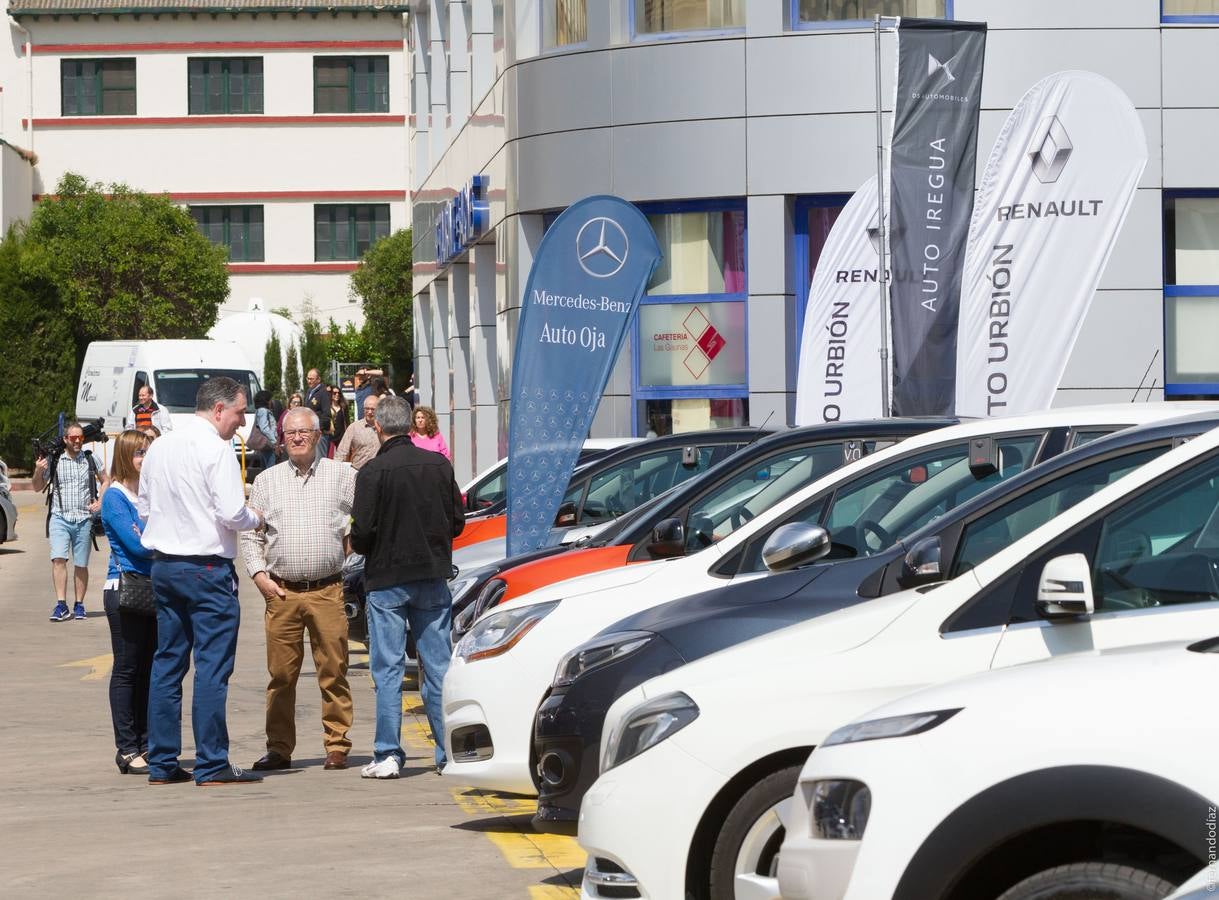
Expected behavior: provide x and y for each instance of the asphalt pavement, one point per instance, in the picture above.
(73, 826)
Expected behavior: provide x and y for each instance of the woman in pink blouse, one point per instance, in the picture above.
(426, 433)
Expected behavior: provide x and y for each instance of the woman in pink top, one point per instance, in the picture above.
(426, 433)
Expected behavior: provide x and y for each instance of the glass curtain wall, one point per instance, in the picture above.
(664, 16)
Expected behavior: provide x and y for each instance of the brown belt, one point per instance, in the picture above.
(303, 587)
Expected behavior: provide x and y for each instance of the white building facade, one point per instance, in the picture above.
(280, 127)
(740, 128)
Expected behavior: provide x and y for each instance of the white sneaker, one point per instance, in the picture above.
(386, 768)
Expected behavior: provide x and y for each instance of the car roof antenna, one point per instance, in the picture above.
(762, 427)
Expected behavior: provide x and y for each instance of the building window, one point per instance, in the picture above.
(237, 227)
(343, 231)
(652, 17)
(221, 86)
(98, 87)
(351, 84)
(814, 11)
(1189, 10)
(704, 252)
(1191, 294)
(814, 216)
(564, 22)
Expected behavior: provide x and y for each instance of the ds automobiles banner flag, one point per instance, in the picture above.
(934, 150)
(839, 373)
(1053, 197)
(585, 284)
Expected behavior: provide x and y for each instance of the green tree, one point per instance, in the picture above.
(273, 367)
(313, 347)
(124, 264)
(352, 345)
(292, 371)
(383, 283)
(39, 363)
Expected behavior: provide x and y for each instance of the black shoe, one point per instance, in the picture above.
(177, 776)
(232, 775)
(131, 763)
(271, 762)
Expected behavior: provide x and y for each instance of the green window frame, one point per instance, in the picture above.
(350, 84)
(97, 87)
(224, 85)
(344, 231)
(239, 228)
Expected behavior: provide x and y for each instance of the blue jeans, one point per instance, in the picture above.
(71, 540)
(426, 605)
(196, 610)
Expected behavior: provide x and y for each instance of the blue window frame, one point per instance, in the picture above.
(808, 237)
(1169, 17)
(856, 13)
(1191, 294)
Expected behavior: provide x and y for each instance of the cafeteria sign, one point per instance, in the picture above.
(685, 344)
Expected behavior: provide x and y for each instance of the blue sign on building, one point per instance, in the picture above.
(462, 220)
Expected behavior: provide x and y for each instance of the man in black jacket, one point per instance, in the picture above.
(406, 512)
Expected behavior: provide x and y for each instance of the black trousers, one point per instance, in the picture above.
(133, 638)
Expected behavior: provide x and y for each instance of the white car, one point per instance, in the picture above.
(503, 666)
(1094, 771)
(739, 724)
(8, 511)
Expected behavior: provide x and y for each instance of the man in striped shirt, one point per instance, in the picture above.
(147, 414)
(296, 562)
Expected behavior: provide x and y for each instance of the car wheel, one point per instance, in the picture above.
(1090, 881)
(745, 861)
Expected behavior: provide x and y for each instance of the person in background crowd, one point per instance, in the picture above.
(426, 432)
(338, 415)
(133, 637)
(360, 442)
(194, 502)
(264, 421)
(412, 393)
(147, 412)
(152, 431)
(317, 398)
(296, 562)
(294, 400)
(407, 511)
(360, 382)
(75, 491)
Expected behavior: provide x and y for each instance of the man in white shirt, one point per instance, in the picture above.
(192, 496)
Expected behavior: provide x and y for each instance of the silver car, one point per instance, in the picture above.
(8, 512)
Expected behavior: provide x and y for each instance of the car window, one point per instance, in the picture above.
(1087, 436)
(622, 488)
(176, 388)
(990, 533)
(1162, 549)
(488, 492)
(721, 511)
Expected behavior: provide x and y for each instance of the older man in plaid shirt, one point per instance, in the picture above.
(296, 562)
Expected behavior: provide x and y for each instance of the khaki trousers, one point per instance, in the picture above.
(287, 618)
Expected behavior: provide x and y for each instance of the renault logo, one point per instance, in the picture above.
(601, 247)
(1049, 150)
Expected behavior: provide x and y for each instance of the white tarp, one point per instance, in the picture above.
(839, 374)
(1052, 201)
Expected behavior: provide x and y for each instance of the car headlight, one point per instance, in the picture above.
(459, 586)
(840, 809)
(891, 727)
(500, 632)
(598, 652)
(647, 725)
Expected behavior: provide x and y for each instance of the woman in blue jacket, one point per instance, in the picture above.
(133, 636)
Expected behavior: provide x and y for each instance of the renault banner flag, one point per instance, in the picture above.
(1053, 197)
(935, 136)
(586, 281)
(839, 375)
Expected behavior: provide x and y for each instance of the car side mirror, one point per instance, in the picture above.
(793, 545)
(922, 564)
(668, 539)
(566, 515)
(1065, 588)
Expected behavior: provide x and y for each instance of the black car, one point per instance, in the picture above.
(857, 559)
(706, 508)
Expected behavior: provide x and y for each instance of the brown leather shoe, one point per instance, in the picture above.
(271, 762)
(335, 759)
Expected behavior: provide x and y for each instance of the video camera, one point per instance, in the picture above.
(54, 446)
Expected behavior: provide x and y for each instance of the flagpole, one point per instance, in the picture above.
(882, 227)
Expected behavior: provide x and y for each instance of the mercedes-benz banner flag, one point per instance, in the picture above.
(583, 288)
(1053, 197)
(839, 374)
(934, 149)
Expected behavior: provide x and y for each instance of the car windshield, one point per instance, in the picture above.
(176, 388)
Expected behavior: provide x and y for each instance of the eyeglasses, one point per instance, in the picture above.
(299, 432)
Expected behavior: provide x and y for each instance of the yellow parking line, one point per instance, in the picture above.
(538, 851)
(99, 666)
(553, 892)
(480, 803)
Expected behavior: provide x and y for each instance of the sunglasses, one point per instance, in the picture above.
(139, 452)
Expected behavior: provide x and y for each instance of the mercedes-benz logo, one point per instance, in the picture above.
(601, 247)
(1049, 149)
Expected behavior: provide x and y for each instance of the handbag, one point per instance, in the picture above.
(135, 594)
(257, 441)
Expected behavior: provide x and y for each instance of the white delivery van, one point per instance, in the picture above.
(114, 372)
